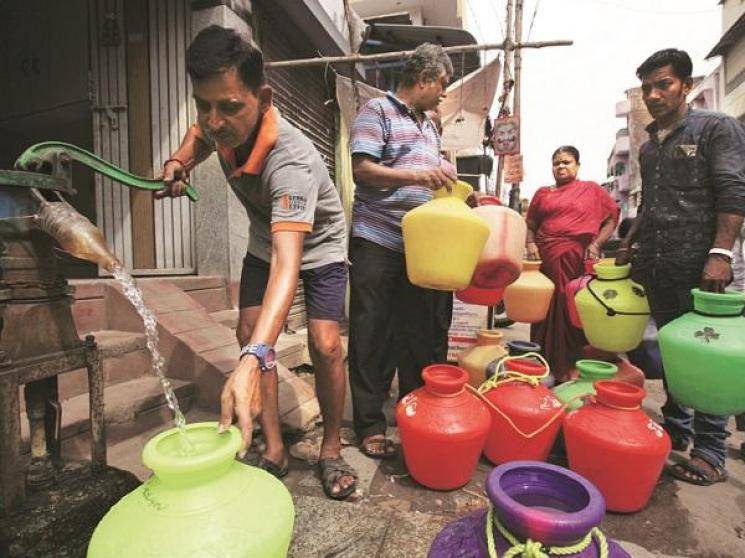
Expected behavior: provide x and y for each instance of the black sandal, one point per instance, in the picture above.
(694, 474)
(331, 471)
(387, 449)
(272, 468)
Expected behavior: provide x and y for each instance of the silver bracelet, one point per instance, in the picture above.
(723, 252)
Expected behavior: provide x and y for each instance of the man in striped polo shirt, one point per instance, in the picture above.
(396, 162)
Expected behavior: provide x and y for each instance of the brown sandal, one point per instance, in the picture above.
(378, 447)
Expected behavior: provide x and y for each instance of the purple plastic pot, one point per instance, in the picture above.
(532, 500)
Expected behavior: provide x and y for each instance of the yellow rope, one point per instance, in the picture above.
(536, 549)
(505, 377)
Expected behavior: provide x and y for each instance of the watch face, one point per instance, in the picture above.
(270, 358)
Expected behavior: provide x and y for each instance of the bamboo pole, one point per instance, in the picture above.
(323, 60)
(504, 101)
(514, 201)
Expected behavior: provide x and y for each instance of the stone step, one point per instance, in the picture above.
(124, 357)
(228, 318)
(131, 407)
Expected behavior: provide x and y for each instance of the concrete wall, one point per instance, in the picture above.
(731, 11)
(734, 79)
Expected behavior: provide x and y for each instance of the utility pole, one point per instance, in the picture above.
(515, 189)
(506, 86)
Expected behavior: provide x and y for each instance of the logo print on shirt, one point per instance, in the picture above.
(292, 202)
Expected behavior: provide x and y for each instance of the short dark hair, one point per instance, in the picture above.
(217, 49)
(570, 149)
(677, 59)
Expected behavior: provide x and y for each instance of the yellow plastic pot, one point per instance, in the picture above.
(614, 310)
(443, 239)
(528, 299)
(487, 349)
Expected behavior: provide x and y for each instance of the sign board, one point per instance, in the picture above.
(506, 135)
(467, 320)
(513, 169)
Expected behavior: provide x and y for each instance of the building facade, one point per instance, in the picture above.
(731, 49)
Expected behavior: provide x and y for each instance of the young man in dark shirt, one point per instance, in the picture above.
(693, 202)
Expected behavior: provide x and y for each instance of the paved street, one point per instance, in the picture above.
(393, 516)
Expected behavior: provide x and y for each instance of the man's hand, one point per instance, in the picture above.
(174, 176)
(717, 274)
(623, 255)
(435, 178)
(533, 252)
(241, 396)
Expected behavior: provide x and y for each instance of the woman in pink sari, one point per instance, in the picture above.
(567, 224)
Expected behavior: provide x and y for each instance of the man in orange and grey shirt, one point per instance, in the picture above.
(296, 230)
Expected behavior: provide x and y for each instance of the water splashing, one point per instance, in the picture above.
(134, 294)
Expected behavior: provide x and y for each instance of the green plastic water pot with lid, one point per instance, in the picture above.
(200, 503)
(703, 353)
(614, 310)
(590, 371)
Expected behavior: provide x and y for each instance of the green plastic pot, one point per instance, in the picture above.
(703, 353)
(202, 504)
(614, 310)
(590, 371)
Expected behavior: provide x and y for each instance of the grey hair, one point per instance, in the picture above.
(426, 63)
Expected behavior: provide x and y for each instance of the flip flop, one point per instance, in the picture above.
(272, 468)
(331, 471)
(691, 473)
(388, 448)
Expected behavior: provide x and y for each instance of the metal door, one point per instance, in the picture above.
(172, 113)
(110, 128)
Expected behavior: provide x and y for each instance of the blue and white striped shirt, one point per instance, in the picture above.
(387, 130)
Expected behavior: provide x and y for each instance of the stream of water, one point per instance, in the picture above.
(134, 295)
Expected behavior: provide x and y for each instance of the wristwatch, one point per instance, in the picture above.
(264, 354)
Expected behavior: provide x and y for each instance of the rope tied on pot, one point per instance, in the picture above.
(502, 377)
(536, 549)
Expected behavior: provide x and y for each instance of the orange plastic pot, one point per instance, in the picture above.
(529, 298)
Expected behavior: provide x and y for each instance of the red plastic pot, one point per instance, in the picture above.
(627, 372)
(482, 297)
(529, 408)
(443, 428)
(573, 287)
(616, 446)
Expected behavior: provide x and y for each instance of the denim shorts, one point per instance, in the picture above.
(325, 287)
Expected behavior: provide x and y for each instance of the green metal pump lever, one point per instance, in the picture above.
(59, 155)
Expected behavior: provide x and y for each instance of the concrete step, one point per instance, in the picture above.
(131, 407)
(124, 357)
(228, 318)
